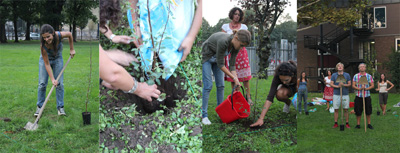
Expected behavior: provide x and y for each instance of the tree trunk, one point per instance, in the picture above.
(74, 31)
(3, 38)
(27, 33)
(15, 29)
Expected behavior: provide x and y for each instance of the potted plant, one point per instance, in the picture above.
(87, 115)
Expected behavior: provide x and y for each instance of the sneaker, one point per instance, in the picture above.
(397, 105)
(348, 126)
(37, 111)
(370, 126)
(61, 111)
(205, 121)
(286, 108)
(357, 127)
(335, 126)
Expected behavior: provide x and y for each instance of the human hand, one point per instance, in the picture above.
(108, 85)
(258, 123)
(122, 39)
(72, 53)
(55, 82)
(147, 92)
(340, 84)
(237, 84)
(121, 57)
(186, 46)
(362, 87)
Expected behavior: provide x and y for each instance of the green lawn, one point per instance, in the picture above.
(315, 132)
(18, 96)
(279, 134)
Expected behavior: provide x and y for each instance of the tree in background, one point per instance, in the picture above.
(14, 17)
(285, 30)
(4, 17)
(393, 65)
(78, 12)
(52, 13)
(317, 12)
(264, 17)
(30, 11)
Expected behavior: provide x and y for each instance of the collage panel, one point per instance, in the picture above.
(256, 46)
(348, 62)
(49, 76)
(199, 76)
(149, 50)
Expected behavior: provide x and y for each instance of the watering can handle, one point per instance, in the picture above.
(232, 94)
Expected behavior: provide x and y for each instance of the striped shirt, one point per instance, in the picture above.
(356, 78)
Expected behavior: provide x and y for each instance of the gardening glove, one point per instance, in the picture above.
(258, 123)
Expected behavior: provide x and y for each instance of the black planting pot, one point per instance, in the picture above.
(378, 113)
(342, 127)
(86, 118)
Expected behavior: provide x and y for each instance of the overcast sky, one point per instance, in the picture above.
(213, 10)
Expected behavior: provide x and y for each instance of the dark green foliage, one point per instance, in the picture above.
(393, 65)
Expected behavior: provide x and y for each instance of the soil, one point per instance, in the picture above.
(133, 129)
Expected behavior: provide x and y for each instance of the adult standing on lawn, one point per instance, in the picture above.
(363, 91)
(383, 92)
(302, 92)
(328, 91)
(51, 64)
(114, 75)
(214, 49)
(243, 69)
(345, 101)
(283, 86)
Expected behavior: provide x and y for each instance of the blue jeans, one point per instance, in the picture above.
(56, 65)
(302, 96)
(209, 66)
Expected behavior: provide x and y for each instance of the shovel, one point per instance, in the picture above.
(33, 126)
(363, 81)
(341, 79)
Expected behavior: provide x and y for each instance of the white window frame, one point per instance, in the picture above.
(396, 45)
(385, 18)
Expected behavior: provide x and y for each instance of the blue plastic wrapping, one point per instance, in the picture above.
(170, 31)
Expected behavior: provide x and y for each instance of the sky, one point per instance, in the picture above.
(213, 10)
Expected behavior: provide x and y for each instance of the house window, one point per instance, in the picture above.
(397, 44)
(366, 50)
(380, 17)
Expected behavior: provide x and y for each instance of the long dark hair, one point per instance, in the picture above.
(109, 10)
(288, 68)
(327, 74)
(380, 78)
(301, 76)
(46, 28)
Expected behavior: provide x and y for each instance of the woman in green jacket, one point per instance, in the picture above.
(214, 49)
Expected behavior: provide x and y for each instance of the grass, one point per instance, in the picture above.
(279, 135)
(316, 134)
(18, 96)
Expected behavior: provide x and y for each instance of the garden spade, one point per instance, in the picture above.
(33, 126)
(363, 81)
(341, 79)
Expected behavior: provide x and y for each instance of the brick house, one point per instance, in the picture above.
(376, 33)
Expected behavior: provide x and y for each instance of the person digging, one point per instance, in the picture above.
(363, 82)
(340, 81)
